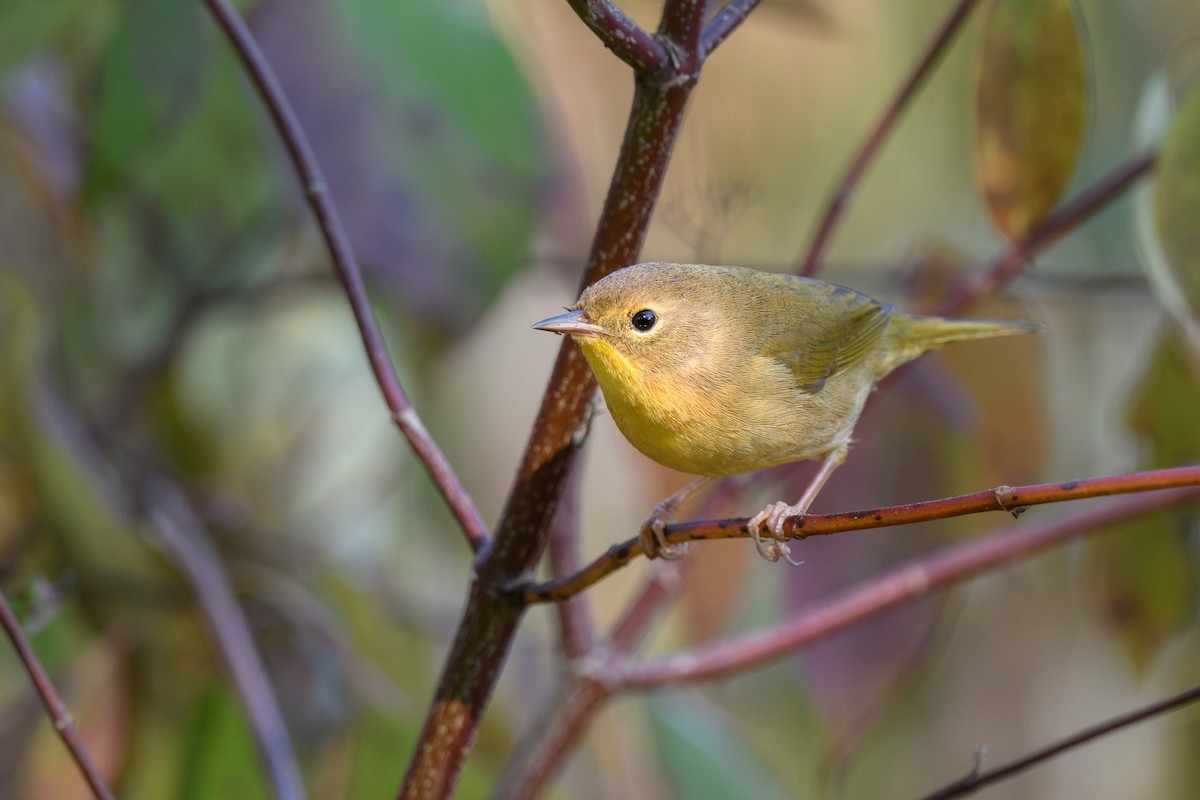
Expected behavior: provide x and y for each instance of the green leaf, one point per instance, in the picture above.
(1147, 582)
(704, 756)
(26, 27)
(1148, 578)
(1030, 110)
(472, 137)
(222, 757)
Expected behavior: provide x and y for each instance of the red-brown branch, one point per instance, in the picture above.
(884, 592)
(490, 617)
(1012, 500)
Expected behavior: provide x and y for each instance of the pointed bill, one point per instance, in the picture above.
(571, 323)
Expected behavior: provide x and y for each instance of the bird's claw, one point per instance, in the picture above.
(773, 517)
(653, 538)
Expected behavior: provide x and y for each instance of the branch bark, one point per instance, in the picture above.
(491, 616)
(1003, 498)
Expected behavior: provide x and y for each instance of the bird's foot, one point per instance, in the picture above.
(773, 516)
(653, 537)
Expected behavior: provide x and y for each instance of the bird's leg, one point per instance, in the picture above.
(653, 531)
(774, 514)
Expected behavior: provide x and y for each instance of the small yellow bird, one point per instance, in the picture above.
(723, 370)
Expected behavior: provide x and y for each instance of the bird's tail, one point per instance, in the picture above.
(911, 336)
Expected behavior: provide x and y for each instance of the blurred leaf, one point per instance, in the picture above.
(26, 27)
(176, 170)
(471, 132)
(1147, 582)
(1148, 579)
(1163, 411)
(222, 757)
(1029, 109)
(151, 74)
(1177, 208)
(702, 750)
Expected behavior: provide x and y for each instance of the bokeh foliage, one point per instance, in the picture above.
(166, 312)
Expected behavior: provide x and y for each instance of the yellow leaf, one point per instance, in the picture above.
(1029, 110)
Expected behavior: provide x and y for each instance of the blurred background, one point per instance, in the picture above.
(169, 327)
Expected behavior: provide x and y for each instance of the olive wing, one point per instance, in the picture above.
(823, 330)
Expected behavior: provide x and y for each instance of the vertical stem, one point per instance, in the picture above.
(490, 618)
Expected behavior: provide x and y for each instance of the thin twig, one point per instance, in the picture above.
(725, 22)
(576, 623)
(64, 724)
(1014, 500)
(625, 38)
(186, 542)
(1058, 222)
(867, 151)
(887, 591)
(978, 780)
(316, 192)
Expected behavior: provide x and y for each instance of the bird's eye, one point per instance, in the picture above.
(644, 320)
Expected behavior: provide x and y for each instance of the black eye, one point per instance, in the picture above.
(644, 320)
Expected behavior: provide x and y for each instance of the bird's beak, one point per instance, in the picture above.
(571, 323)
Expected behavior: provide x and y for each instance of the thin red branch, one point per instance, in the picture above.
(978, 780)
(625, 38)
(312, 179)
(64, 725)
(1009, 499)
(867, 151)
(576, 623)
(544, 749)
(1060, 221)
(725, 22)
(887, 591)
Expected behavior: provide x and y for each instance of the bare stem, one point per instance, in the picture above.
(64, 725)
(867, 151)
(978, 780)
(620, 34)
(1004, 498)
(540, 755)
(1063, 219)
(887, 591)
(725, 22)
(491, 616)
(576, 624)
(312, 179)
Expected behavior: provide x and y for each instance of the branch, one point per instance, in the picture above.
(1002, 498)
(978, 780)
(1061, 220)
(312, 179)
(491, 616)
(724, 23)
(620, 34)
(893, 588)
(576, 623)
(867, 151)
(186, 542)
(64, 725)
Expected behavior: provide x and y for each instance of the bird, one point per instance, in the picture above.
(723, 370)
